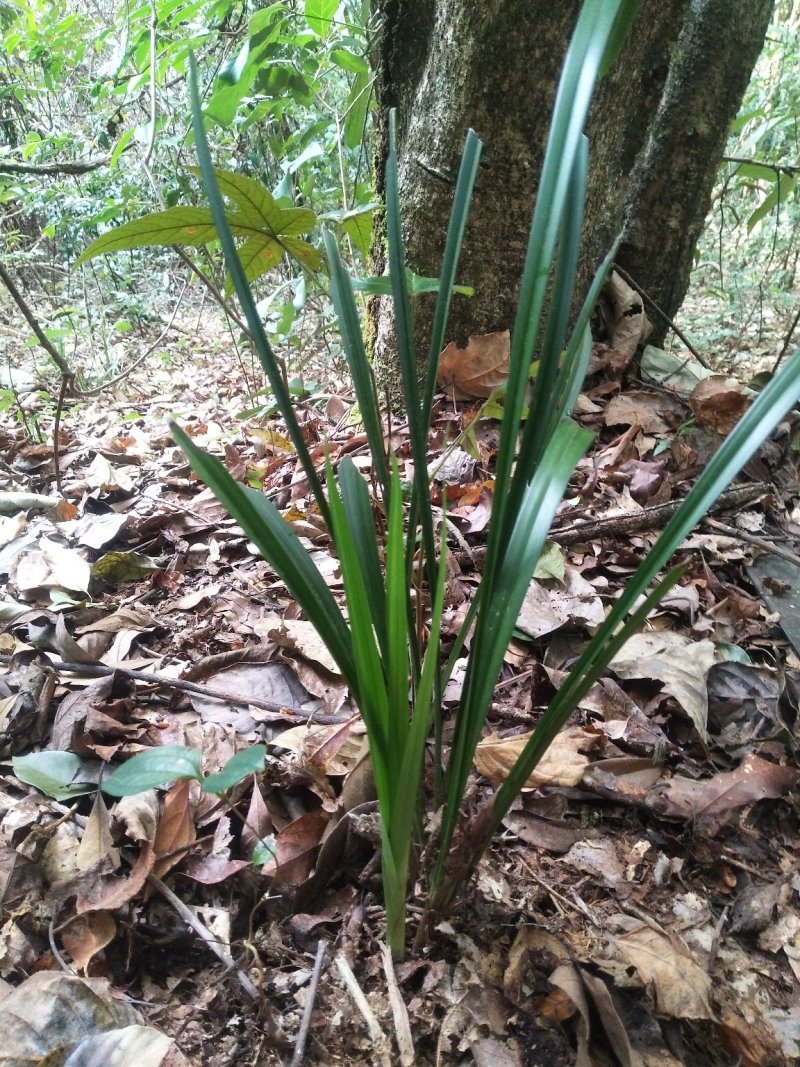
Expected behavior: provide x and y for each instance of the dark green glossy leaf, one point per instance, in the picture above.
(61, 775)
(249, 761)
(153, 768)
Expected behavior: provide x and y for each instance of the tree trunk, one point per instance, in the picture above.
(671, 186)
(657, 130)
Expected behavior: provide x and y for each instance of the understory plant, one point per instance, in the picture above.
(387, 640)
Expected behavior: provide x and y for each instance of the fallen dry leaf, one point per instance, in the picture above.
(678, 985)
(714, 798)
(718, 403)
(563, 764)
(474, 372)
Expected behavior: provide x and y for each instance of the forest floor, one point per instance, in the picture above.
(642, 906)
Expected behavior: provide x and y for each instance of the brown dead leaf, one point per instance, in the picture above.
(532, 943)
(296, 848)
(597, 858)
(258, 823)
(622, 310)
(652, 412)
(714, 798)
(86, 935)
(680, 664)
(678, 985)
(115, 892)
(563, 764)
(97, 841)
(176, 830)
(718, 403)
(476, 371)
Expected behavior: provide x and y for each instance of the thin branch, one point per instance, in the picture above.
(779, 168)
(151, 140)
(33, 322)
(787, 342)
(44, 169)
(181, 685)
(308, 1010)
(205, 934)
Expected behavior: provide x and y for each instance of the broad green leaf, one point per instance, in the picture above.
(550, 563)
(357, 108)
(175, 226)
(319, 15)
(249, 761)
(358, 227)
(782, 189)
(349, 61)
(266, 849)
(154, 768)
(758, 171)
(258, 208)
(58, 774)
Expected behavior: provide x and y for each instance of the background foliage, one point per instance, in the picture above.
(286, 96)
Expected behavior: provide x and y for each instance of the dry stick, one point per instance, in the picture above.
(203, 932)
(757, 542)
(151, 140)
(376, 1034)
(402, 1027)
(308, 1010)
(100, 670)
(651, 518)
(645, 296)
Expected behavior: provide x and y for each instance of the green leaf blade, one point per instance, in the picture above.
(154, 768)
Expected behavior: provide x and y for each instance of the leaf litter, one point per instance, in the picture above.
(643, 905)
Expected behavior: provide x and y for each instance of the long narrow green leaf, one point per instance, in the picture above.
(357, 361)
(424, 709)
(623, 22)
(407, 358)
(499, 611)
(589, 668)
(361, 527)
(370, 689)
(544, 414)
(262, 346)
(394, 868)
(452, 252)
(576, 86)
(397, 660)
(279, 545)
(406, 350)
(782, 393)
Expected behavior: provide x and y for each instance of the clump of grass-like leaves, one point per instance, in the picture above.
(395, 676)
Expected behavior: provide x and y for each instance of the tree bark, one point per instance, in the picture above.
(657, 130)
(672, 183)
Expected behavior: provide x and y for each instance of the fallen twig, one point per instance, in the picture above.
(308, 1010)
(402, 1027)
(205, 934)
(282, 711)
(354, 989)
